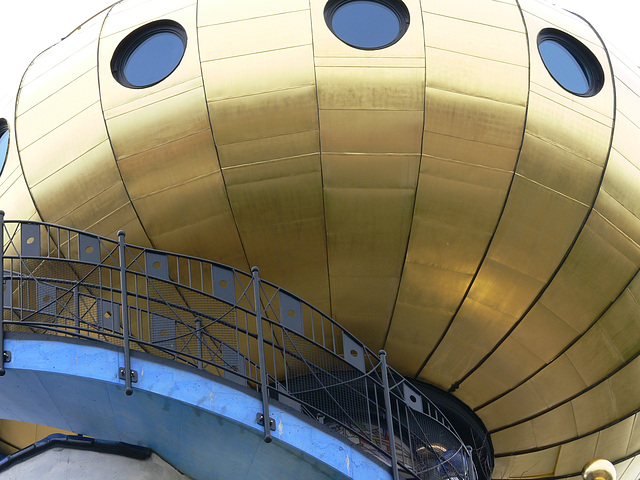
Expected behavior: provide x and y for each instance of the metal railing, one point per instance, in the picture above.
(230, 323)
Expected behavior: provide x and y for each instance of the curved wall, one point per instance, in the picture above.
(199, 423)
(444, 197)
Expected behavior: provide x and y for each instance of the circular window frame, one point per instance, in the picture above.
(4, 128)
(129, 44)
(584, 57)
(396, 6)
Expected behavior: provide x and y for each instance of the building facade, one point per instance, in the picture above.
(454, 182)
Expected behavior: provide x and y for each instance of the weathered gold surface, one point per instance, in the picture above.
(470, 145)
(62, 140)
(260, 90)
(443, 198)
(370, 142)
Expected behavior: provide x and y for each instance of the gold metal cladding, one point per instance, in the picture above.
(604, 260)
(476, 95)
(613, 341)
(589, 411)
(64, 148)
(561, 460)
(169, 164)
(565, 146)
(260, 84)
(16, 199)
(453, 145)
(371, 141)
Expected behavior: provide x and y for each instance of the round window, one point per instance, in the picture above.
(149, 54)
(4, 142)
(367, 24)
(570, 63)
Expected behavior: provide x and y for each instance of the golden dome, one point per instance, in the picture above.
(444, 197)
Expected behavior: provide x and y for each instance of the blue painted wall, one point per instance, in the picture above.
(203, 425)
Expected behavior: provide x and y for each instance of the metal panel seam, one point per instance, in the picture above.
(577, 235)
(213, 137)
(504, 205)
(320, 156)
(415, 189)
(106, 127)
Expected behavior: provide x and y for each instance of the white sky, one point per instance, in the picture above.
(29, 26)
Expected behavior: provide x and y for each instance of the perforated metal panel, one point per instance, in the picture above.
(223, 284)
(89, 249)
(291, 313)
(413, 398)
(163, 331)
(157, 265)
(108, 315)
(30, 241)
(46, 295)
(353, 352)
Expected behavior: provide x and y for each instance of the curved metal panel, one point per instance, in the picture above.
(619, 440)
(447, 182)
(16, 198)
(170, 163)
(62, 140)
(260, 85)
(472, 133)
(371, 142)
(566, 144)
(603, 348)
(599, 267)
(608, 257)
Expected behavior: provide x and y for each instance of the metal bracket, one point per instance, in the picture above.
(7, 356)
(260, 421)
(134, 374)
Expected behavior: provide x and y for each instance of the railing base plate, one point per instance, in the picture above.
(133, 373)
(260, 421)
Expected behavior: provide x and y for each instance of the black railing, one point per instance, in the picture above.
(213, 317)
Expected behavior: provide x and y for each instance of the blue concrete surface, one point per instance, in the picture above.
(200, 423)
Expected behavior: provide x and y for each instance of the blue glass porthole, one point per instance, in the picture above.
(571, 64)
(149, 54)
(367, 24)
(4, 142)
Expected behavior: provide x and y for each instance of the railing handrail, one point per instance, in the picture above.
(59, 247)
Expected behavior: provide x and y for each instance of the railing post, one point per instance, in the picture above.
(199, 341)
(470, 466)
(266, 419)
(2, 371)
(387, 404)
(76, 306)
(125, 314)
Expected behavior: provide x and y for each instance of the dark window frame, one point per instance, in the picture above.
(586, 59)
(396, 6)
(129, 44)
(4, 129)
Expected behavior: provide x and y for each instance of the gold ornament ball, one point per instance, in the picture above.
(599, 469)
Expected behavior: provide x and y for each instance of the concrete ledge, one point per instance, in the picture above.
(200, 423)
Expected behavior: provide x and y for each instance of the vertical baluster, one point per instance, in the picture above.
(387, 404)
(261, 360)
(125, 313)
(76, 307)
(2, 372)
(199, 341)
